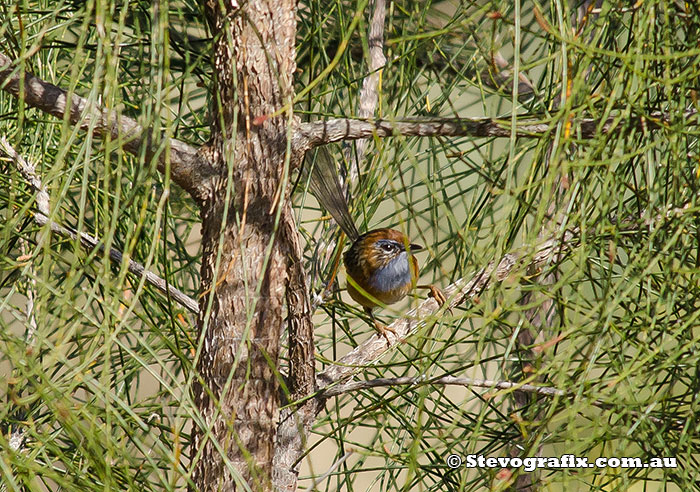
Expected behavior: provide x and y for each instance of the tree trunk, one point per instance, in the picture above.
(249, 245)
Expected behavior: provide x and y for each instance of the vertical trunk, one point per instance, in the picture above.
(246, 257)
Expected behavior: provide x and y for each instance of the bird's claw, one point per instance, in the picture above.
(383, 330)
(439, 296)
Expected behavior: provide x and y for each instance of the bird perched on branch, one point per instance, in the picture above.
(380, 264)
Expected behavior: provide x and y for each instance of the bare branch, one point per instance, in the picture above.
(17, 439)
(188, 167)
(338, 129)
(28, 172)
(86, 240)
(369, 95)
(316, 133)
(515, 387)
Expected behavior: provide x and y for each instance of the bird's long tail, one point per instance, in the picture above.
(324, 182)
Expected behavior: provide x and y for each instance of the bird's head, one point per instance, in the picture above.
(380, 263)
(382, 246)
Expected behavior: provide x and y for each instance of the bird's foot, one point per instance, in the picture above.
(438, 295)
(384, 330)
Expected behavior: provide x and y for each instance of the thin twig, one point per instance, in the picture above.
(41, 217)
(30, 295)
(516, 387)
(333, 468)
(444, 380)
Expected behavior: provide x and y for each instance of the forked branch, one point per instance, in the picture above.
(188, 167)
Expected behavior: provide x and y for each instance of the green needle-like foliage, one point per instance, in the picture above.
(96, 365)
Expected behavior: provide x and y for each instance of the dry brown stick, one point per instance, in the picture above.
(41, 217)
(188, 167)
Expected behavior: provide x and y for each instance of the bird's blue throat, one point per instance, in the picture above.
(394, 275)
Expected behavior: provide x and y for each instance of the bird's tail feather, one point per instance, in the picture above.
(324, 182)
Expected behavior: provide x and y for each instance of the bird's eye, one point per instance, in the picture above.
(387, 247)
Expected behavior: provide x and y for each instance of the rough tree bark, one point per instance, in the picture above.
(247, 244)
(251, 266)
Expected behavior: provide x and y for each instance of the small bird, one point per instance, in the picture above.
(380, 264)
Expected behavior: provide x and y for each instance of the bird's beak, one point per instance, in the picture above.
(415, 247)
